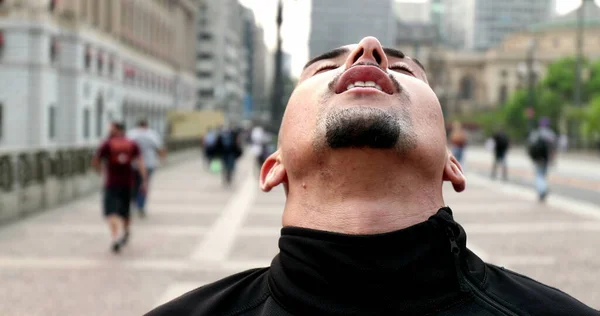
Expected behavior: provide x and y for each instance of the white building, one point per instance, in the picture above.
(67, 71)
(221, 65)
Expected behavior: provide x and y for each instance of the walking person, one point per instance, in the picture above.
(229, 149)
(153, 150)
(259, 138)
(458, 141)
(114, 158)
(542, 149)
(501, 145)
(209, 144)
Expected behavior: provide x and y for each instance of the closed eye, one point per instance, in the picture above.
(403, 69)
(325, 67)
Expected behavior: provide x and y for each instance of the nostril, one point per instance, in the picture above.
(358, 55)
(377, 57)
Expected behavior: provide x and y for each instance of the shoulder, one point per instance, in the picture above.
(227, 297)
(530, 297)
(104, 146)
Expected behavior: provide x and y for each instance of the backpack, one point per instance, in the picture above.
(227, 140)
(539, 149)
(120, 151)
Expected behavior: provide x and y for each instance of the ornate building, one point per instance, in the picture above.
(475, 81)
(69, 67)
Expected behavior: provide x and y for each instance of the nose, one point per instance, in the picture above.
(369, 50)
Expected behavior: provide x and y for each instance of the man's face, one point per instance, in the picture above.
(363, 96)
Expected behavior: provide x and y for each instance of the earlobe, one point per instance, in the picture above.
(453, 173)
(272, 173)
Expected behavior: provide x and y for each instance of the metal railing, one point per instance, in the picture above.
(35, 179)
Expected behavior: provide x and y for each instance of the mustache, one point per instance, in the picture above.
(335, 80)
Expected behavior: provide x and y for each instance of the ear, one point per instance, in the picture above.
(453, 173)
(272, 173)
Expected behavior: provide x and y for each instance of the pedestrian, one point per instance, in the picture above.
(501, 145)
(229, 149)
(458, 141)
(153, 150)
(563, 142)
(115, 157)
(362, 156)
(210, 144)
(542, 149)
(260, 139)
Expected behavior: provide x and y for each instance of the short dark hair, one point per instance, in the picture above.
(119, 125)
(142, 122)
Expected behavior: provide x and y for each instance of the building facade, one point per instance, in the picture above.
(221, 61)
(67, 68)
(413, 12)
(416, 39)
(483, 24)
(335, 23)
(256, 99)
(475, 81)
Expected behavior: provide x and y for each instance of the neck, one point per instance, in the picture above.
(354, 197)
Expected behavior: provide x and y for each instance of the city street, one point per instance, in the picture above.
(59, 263)
(572, 175)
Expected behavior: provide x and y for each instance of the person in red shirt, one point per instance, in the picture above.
(118, 153)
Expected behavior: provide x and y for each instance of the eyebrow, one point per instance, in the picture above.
(390, 52)
(329, 55)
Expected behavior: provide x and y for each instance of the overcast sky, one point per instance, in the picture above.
(296, 24)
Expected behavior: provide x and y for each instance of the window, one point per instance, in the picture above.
(88, 57)
(502, 94)
(111, 65)
(1, 120)
(206, 93)
(503, 73)
(1, 44)
(204, 74)
(100, 64)
(99, 116)
(205, 36)
(555, 42)
(53, 50)
(86, 123)
(51, 122)
(466, 88)
(204, 55)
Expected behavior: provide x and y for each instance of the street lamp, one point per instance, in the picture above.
(529, 70)
(276, 108)
(531, 81)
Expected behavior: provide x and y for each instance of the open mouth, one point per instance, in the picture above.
(365, 79)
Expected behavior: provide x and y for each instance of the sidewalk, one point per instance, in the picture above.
(197, 232)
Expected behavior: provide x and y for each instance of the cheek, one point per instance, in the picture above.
(304, 105)
(427, 115)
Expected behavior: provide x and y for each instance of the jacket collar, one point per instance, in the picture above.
(412, 270)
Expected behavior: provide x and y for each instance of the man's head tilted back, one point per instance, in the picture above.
(362, 155)
(362, 124)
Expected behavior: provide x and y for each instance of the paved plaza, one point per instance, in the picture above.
(59, 263)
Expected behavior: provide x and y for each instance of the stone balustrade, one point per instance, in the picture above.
(36, 179)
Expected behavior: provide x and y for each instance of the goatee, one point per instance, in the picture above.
(368, 127)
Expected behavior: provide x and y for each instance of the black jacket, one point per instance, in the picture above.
(425, 269)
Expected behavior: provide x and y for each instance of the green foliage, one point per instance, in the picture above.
(592, 86)
(513, 113)
(552, 98)
(591, 119)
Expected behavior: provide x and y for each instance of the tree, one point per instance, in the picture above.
(591, 119)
